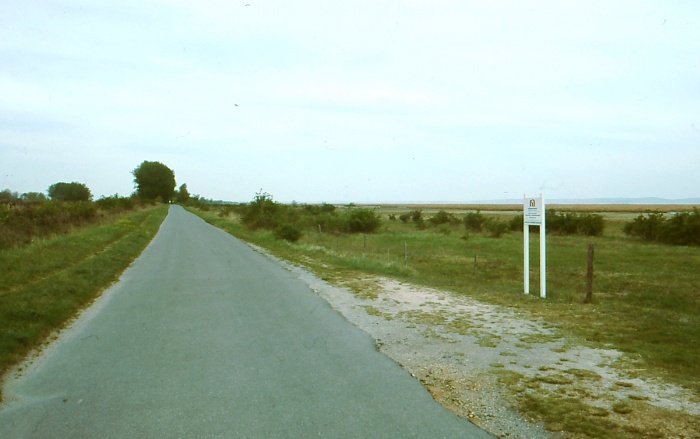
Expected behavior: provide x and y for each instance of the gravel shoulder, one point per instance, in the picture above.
(458, 348)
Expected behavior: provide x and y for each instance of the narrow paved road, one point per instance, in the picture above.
(203, 337)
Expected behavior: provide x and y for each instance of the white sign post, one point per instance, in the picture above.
(533, 215)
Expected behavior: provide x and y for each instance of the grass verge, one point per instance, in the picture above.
(47, 282)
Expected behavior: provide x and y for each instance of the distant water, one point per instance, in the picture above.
(647, 200)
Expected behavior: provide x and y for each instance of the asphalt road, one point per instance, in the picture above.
(203, 337)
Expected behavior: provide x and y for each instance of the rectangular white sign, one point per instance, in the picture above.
(533, 211)
(534, 215)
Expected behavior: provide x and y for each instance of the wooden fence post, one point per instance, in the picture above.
(405, 255)
(589, 276)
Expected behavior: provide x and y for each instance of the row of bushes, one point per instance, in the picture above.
(289, 222)
(22, 221)
(570, 223)
(679, 229)
(475, 222)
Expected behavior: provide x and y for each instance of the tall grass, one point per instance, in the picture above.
(44, 284)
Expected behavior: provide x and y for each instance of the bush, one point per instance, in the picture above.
(262, 212)
(69, 192)
(516, 223)
(225, 210)
(440, 218)
(591, 225)
(646, 227)
(316, 209)
(321, 218)
(81, 213)
(566, 224)
(115, 203)
(681, 229)
(562, 223)
(201, 203)
(325, 222)
(574, 224)
(497, 228)
(289, 233)
(288, 221)
(474, 221)
(362, 221)
(417, 216)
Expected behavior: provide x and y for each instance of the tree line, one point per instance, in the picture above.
(153, 181)
(65, 205)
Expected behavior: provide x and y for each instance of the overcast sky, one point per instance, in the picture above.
(354, 101)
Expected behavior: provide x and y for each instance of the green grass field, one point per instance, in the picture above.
(44, 284)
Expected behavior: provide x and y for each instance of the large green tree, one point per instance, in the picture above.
(33, 197)
(154, 180)
(69, 192)
(183, 195)
(7, 196)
